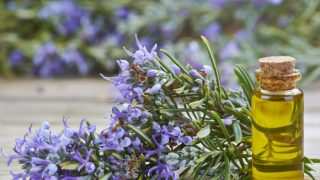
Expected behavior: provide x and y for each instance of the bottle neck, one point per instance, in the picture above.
(277, 83)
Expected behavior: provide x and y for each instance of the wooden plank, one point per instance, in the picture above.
(31, 101)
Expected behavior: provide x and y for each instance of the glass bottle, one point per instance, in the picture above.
(277, 127)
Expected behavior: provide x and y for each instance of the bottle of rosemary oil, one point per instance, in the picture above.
(277, 128)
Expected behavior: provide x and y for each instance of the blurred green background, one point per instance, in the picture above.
(82, 38)
(72, 38)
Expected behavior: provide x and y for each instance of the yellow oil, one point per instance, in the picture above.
(277, 135)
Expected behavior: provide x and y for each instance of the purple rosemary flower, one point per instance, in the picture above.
(218, 4)
(261, 3)
(142, 54)
(123, 81)
(165, 134)
(42, 168)
(114, 38)
(11, 5)
(83, 128)
(67, 14)
(139, 92)
(72, 57)
(134, 113)
(42, 152)
(163, 171)
(126, 113)
(122, 84)
(47, 61)
(44, 52)
(120, 114)
(212, 31)
(123, 64)
(228, 121)
(16, 58)
(153, 73)
(18, 149)
(91, 29)
(68, 132)
(89, 166)
(168, 30)
(39, 153)
(146, 42)
(17, 176)
(155, 89)
(207, 69)
(226, 71)
(231, 50)
(51, 68)
(115, 140)
(175, 69)
(122, 13)
(44, 139)
(194, 73)
(275, 2)
(136, 142)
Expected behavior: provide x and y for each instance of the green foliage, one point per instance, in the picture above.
(252, 31)
(227, 151)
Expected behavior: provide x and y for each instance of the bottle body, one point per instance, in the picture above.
(277, 135)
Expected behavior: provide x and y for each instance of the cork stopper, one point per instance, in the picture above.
(277, 73)
(277, 65)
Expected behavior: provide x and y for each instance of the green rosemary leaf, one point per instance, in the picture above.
(117, 155)
(69, 165)
(306, 160)
(205, 156)
(244, 86)
(307, 168)
(196, 170)
(245, 81)
(197, 103)
(163, 110)
(180, 89)
(315, 160)
(204, 132)
(141, 135)
(218, 176)
(185, 172)
(140, 177)
(247, 76)
(171, 81)
(168, 69)
(174, 60)
(311, 76)
(214, 65)
(310, 175)
(207, 170)
(218, 159)
(106, 176)
(247, 139)
(237, 131)
(211, 146)
(187, 78)
(196, 123)
(223, 127)
(239, 115)
(227, 173)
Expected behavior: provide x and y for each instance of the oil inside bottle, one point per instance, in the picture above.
(277, 129)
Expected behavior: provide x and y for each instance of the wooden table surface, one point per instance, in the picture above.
(27, 101)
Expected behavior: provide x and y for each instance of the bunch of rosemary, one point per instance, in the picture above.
(172, 121)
